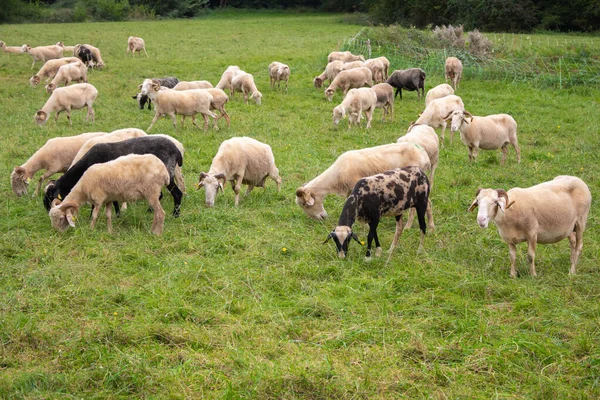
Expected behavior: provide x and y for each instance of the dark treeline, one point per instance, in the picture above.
(485, 15)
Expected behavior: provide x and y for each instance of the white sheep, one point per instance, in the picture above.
(225, 81)
(544, 213)
(128, 178)
(192, 85)
(491, 132)
(10, 49)
(240, 160)
(115, 136)
(356, 102)
(135, 44)
(279, 72)
(385, 99)
(438, 92)
(377, 69)
(453, 71)
(185, 102)
(66, 48)
(330, 72)
(354, 78)
(344, 56)
(437, 111)
(353, 64)
(43, 53)
(50, 68)
(67, 98)
(386, 65)
(244, 82)
(351, 166)
(218, 102)
(53, 157)
(67, 73)
(425, 137)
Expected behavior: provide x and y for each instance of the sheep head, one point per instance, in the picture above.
(318, 82)
(211, 183)
(257, 96)
(339, 113)
(342, 235)
(489, 202)
(458, 119)
(312, 208)
(50, 88)
(63, 215)
(19, 181)
(329, 94)
(34, 80)
(41, 117)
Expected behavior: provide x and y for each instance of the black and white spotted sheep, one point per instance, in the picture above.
(388, 193)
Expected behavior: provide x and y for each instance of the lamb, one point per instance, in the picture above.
(408, 79)
(244, 82)
(354, 78)
(136, 44)
(186, 103)
(356, 102)
(96, 55)
(388, 193)
(193, 85)
(438, 92)
(491, 132)
(353, 165)
(66, 98)
(43, 53)
(10, 49)
(377, 69)
(240, 160)
(425, 137)
(146, 86)
(385, 99)
(544, 213)
(331, 71)
(279, 72)
(161, 147)
(69, 72)
(226, 77)
(453, 71)
(344, 56)
(128, 178)
(50, 68)
(54, 156)
(438, 110)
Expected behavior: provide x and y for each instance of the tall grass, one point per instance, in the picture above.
(245, 302)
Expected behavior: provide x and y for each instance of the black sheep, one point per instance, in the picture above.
(408, 79)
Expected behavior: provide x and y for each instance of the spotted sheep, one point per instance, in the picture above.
(388, 193)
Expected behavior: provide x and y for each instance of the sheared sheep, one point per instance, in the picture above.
(377, 69)
(353, 64)
(453, 71)
(491, 132)
(66, 98)
(225, 81)
(218, 102)
(66, 74)
(66, 48)
(351, 166)
(408, 79)
(388, 193)
(240, 160)
(244, 82)
(50, 68)
(385, 99)
(386, 65)
(438, 110)
(146, 86)
(54, 156)
(438, 92)
(42, 53)
(136, 44)
(331, 71)
(279, 72)
(344, 56)
(544, 213)
(192, 85)
(128, 178)
(10, 49)
(356, 102)
(425, 137)
(351, 79)
(115, 136)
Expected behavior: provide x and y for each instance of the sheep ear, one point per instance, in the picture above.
(220, 177)
(328, 237)
(355, 238)
(140, 86)
(71, 217)
(221, 187)
(55, 203)
(473, 205)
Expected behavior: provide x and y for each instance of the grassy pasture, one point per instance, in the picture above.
(246, 302)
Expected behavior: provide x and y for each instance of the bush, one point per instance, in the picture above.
(450, 36)
(111, 10)
(479, 45)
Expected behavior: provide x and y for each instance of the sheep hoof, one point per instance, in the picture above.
(368, 258)
(378, 252)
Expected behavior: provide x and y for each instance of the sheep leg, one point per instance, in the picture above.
(512, 253)
(108, 213)
(95, 211)
(373, 235)
(159, 215)
(421, 211)
(369, 116)
(410, 218)
(249, 189)
(471, 158)
(444, 131)
(245, 98)
(518, 150)
(236, 188)
(183, 120)
(475, 152)
(90, 113)
(429, 213)
(576, 242)
(174, 119)
(156, 117)
(399, 229)
(504, 154)
(146, 53)
(531, 244)
(177, 195)
(206, 122)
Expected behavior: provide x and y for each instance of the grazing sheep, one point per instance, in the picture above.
(96, 55)
(356, 102)
(50, 68)
(112, 137)
(544, 213)
(453, 71)
(226, 77)
(354, 78)
(68, 73)
(43, 53)
(331, 71)
(136, 44)
(491, 132)
(192, 85)
(128, 178)
(438, 110)
(377, 69)
(84, 54)
(386, 65)
(353, 64)
(279, 72)
(146, 86)
(66, 98)
(344, 56)
(385, 99)
(425, 137)
(408, 79)
(218, 102)
(244, 82)
(240, 160)
(388, 193)
(54, 156)
(351, 166)
(10, 49)
(438, 92)
(163, 148)
(66, 48)
(186, 103)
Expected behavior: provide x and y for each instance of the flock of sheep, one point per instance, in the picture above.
(103, 169)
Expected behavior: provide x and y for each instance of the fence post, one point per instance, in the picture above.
(560, 72)
(369, 47)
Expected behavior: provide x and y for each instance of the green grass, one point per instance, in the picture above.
(216, 308)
